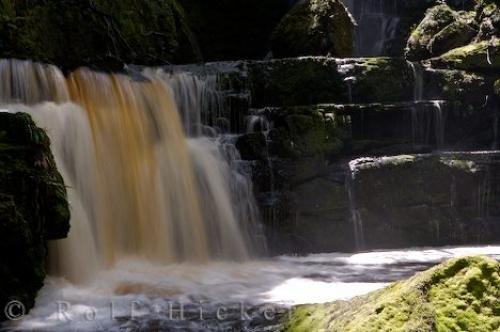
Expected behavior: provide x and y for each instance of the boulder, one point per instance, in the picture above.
(456, 34)
(458, 295)
(436, 19)
(481, 56)
(314, 27)
(33, 208)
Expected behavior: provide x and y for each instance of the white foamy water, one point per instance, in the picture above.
(137, 295)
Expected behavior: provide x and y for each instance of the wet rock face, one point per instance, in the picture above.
(102, 34)
(458, 295)
(33, 207)
(420, 200)
(314, 27)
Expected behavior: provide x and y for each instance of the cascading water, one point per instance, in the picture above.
(356, 219)
(421, 122)
(137, 187)
(377, 25)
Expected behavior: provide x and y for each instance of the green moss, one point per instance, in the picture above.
(476, 56)
(459, 295)
(301, 132)
(436, 19)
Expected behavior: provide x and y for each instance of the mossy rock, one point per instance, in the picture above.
(482, 56)
(436, 19)
(456, 34)
(33, 207)
(314, 27)
(304, 133)
(497, 87)
(459, 295)
(488, 14)
(102, 34)
(298, 81)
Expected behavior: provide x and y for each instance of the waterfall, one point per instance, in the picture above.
(377, 25)
(137, 185)
(198, 99)
(439, 123)
(356, 219)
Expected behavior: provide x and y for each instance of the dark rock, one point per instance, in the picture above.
(299, 81)
(252, 146)
(99, 34)
(314, 27)
(33, 207)
(233, 29)
(440, 197)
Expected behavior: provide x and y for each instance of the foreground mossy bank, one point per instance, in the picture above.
(462, 294)
(33, 208)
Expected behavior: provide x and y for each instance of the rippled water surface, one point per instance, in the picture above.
(220, 295)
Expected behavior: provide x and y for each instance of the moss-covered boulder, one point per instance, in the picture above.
(314, 27)
(481, 56)
(456, 34)
(96, 33)
(459, 295)
(435, 21)
(33, 207)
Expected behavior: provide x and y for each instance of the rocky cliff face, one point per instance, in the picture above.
(33, 207)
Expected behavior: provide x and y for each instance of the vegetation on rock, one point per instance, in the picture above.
(436, 20)
(481, 56)
(96, 33)
(459, 37)
(459, 295)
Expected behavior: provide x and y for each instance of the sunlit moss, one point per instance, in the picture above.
(459, 295)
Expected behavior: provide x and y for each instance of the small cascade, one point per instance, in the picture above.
(350, 81)
(138, 187)
(198, 98)
(418, 81)
(492, 106)
(257, 123)
(439, 123)
(421, 122)
(356, 218)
